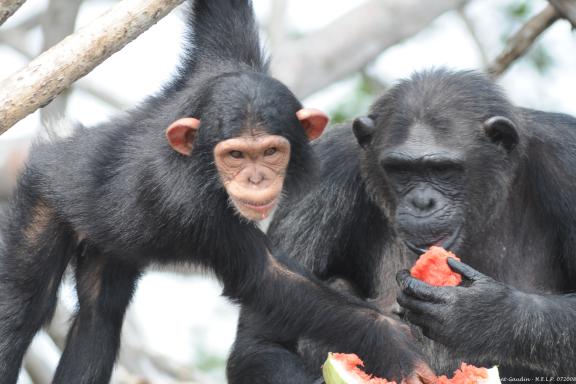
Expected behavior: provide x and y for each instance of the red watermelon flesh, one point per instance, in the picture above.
(469, 374)
(345, 368)
(432, 268)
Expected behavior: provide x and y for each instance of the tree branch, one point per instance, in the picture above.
(53, 71)
(567, 8)
(522, 40)
(8, 7)
(352, 41)
(83, 86)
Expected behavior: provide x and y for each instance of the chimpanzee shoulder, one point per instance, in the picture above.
(335, 232)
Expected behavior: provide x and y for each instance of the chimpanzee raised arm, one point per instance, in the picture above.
(180, 179)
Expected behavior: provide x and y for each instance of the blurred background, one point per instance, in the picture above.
(337, 55)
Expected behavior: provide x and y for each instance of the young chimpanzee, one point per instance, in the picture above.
(181, 178)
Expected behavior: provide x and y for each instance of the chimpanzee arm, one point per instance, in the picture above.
(258, 357)
(335, 230)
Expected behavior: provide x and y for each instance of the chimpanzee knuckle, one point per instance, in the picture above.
(401, 277)
(403, 300)
(417, 288)
(451, 295)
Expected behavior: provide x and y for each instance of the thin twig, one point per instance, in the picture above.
(522, 40)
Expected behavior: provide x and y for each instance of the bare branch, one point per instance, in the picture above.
(83, 86)
(567, 8)
(352, 41)
(8, 7)
(53, 71)
(522, 40)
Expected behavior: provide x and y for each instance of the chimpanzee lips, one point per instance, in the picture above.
(261, 206)
(446, 243)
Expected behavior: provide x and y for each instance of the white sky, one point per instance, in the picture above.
(180, 315)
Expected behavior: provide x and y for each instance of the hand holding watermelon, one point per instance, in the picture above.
(445, 311)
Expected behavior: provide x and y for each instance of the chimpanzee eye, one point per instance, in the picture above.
(441, 169)
(237, 154)
(270, 151)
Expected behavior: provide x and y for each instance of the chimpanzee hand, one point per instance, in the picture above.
(399, 358)
(463, 317)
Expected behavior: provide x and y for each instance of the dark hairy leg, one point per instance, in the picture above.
(105, 287)
(33, 257)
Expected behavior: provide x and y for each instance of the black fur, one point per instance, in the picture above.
(515, 202)
(114, 198)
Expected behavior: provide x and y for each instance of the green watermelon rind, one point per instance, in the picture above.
(334, 373)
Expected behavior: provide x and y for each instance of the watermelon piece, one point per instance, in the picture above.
(469, 374)
(344, 368)
(432, 267)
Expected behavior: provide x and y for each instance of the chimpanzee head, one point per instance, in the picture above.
(256, 133)
(441, 152)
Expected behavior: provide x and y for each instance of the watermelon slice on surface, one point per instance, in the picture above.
(432, 267)
(345, 368)
(469, 374)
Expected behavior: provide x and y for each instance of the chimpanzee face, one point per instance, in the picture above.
(427, 182)
(438, 180)
(254, 128)
(439, 155)
(252, 168)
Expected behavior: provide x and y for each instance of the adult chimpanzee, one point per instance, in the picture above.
(443, 158)
(181, 178)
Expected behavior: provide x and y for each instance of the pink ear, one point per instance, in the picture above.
(313, 120)
(181, 134)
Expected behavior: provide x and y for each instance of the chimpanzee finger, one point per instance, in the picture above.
(419, 289)
(412, 379)
(417, 306)
(425, 373)
(464, 269)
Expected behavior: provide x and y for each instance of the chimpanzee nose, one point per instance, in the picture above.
(423, 201)
(256, 178)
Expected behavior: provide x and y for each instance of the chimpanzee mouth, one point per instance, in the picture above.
(447, 243)
(259, 205)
